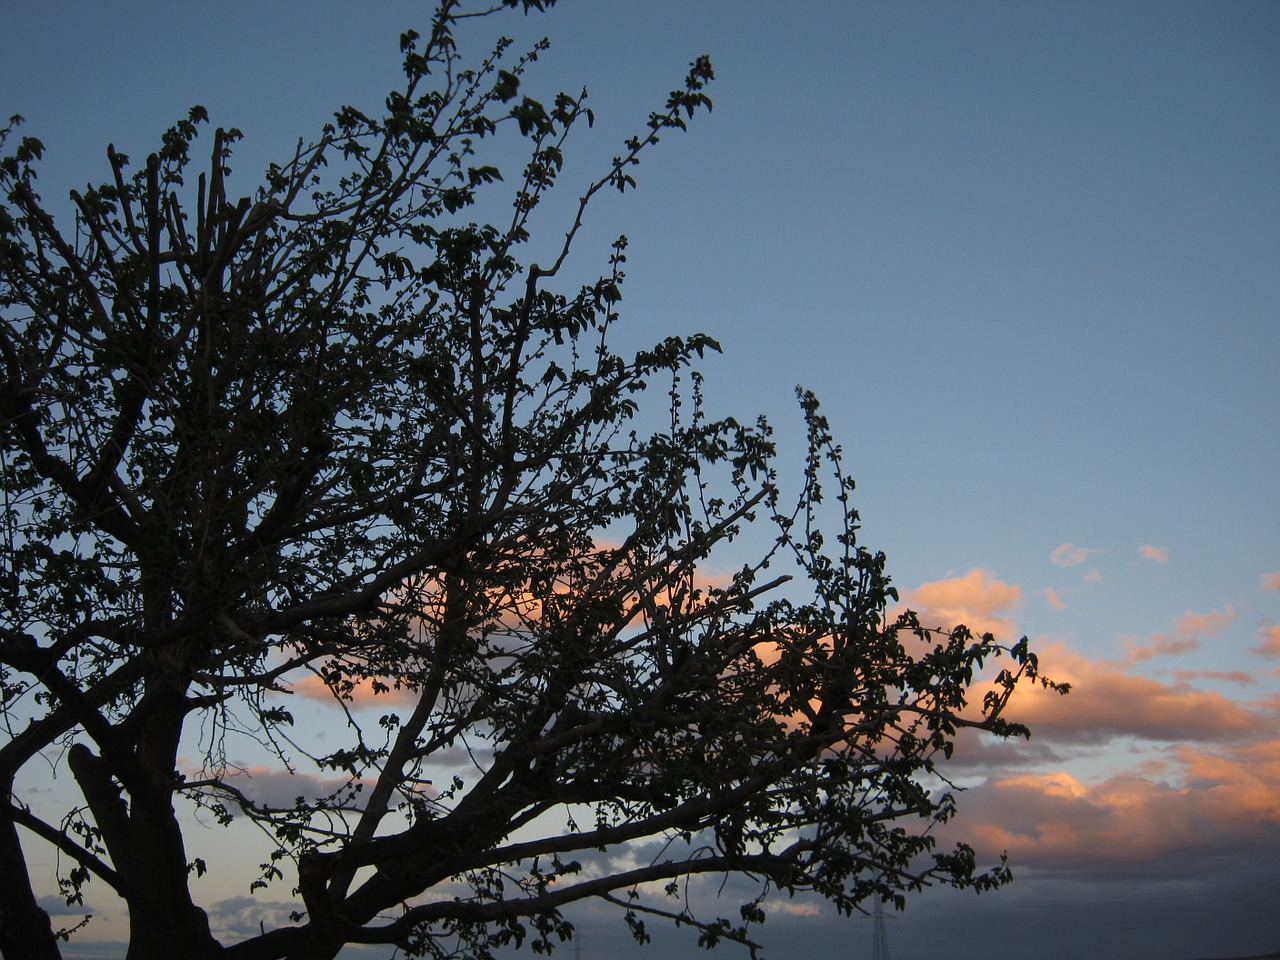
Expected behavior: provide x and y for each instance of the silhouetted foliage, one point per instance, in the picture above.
(335, 433)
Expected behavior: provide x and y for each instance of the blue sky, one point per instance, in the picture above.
(1027, 254)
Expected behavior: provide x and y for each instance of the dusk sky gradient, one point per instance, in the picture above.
(1027, 255)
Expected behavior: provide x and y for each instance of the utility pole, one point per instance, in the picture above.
(881, 948)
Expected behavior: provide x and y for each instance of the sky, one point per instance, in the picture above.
(1027, 255)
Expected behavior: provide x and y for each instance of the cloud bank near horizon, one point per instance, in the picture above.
(1130, 767)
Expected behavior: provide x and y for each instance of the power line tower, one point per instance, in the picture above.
(881, 948)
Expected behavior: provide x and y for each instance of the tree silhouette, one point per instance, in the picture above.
(337, 435)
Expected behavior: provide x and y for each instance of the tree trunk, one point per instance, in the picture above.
(145, 843)
(25, 931)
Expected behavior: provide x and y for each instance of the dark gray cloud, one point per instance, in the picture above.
(56, 906)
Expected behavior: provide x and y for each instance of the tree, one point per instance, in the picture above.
(336, 433)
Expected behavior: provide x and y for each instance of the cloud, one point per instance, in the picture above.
(1268, 640)
(979, 751)
(1092, 575)
(797, 908)
(56, 906)
(1107, 702)
(1161, 645)
(1057, 822)
(1242, 677)
(1051, 597)
(363, 694)
(978, 600)
(1204, 624)
(1270, 581)
(1150, 552)
(279, 789)
(1188, 630)
(1068, 554)
(239, 918)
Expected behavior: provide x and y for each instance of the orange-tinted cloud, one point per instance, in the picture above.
(1151, 552)
(1055, 820)
(515, 611)
(1242, 677)
(1270, 581)
(1204, 624)
(1269, 640)
(1051, 597)
(1068, 554)
(1107, 702)
(666, 593)
(1188, 630)
(1162, 645)
(978, 600)
(363, 694)
(1199, 769)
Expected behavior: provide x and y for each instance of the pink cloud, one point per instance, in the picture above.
(363, 694)
(1055, 820)
(1242, 677)
(1188, 630)
(1269, 640)
(1158, 554)
(1051, 597)
(1161, 645)
(978, 600)
(1107, 702)
(1204, 624)
(1068, 554)
(1270, 581)
(1092, 575)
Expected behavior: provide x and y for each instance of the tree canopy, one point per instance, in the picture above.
(335, 436)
